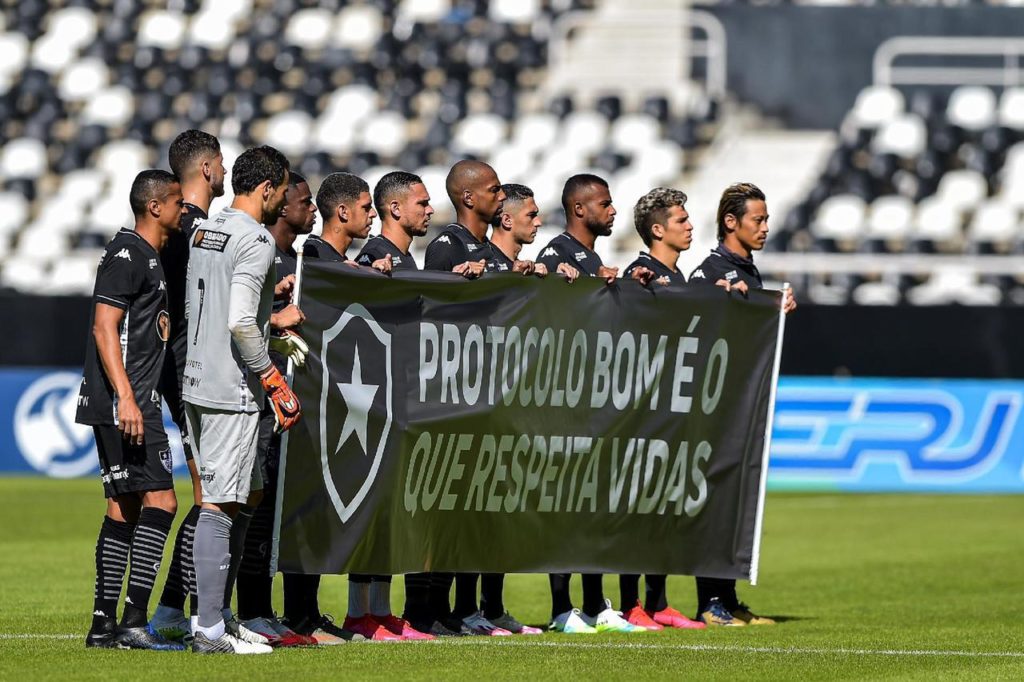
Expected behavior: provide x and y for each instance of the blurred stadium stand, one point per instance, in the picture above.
(916, 198)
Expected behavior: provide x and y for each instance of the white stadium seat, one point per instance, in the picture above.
(211, 29)
(1011, 108)
(14, 211)
(479, 134)
(385, 134)
(41, 245)
(954, 285)
(972, 107)
(963, 188)
(890, 218)
(423, 11)
(162, 29)
(112, 107)
(289, 131)
(938, 222)
(995, 223)
(309, 28)
(74, 274)
(905, 136)
(633, 132)
(14, 48)
(24, 275)
(83, 80)
(23, 157)
(514, 11)
(876, 293)
(877, 105)
(358, 27)
(840, 217)
(585, 131)
(512, 164)
(535, 132)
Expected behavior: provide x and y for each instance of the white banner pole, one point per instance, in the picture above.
(759, 518)
(289, 375)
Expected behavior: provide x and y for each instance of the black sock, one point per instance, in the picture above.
(417, 599)
(254, 584)
(492, 588)
(657, 593)
(561, 601)
(180, 572)
(465, 595)
(300, 597)
(147, 552)
(239, 529)
(593, 593)
(111, 561)
(629, 591)
(311, 591)
(710, 588)
(440, 592)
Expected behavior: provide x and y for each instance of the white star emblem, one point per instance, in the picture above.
(358, 398)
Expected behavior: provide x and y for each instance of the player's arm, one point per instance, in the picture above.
(526, 267)
(106, 329)
(254, 262)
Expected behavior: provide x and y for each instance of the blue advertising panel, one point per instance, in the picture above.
(899, 435)
(38, 433)
(864, 435)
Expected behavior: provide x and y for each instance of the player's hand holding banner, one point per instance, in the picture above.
(286, 406)
(290, 345)
(592, 428)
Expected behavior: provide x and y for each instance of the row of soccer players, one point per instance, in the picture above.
(139, 307)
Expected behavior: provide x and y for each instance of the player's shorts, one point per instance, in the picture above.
(126, 468)
(172, 377)
(268, 451)
(224, 444)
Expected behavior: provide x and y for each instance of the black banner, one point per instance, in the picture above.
(517, 424)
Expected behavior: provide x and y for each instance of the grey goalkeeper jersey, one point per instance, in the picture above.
(228, 249)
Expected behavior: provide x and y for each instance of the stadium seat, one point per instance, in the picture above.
(83, 79)
(309, 28)
(535, 132)
(23, 158)
(14, 212)
(513, 11)
(162, 29)
(889, 221)
(995, 227)
(74, 273)
(840, 218)
(585, 131)
(358, 27)
(954, 285)
(23, 275)
(289, 131)
(112, 107)
(1011, 109)
(634, 132)
(385, 134)
(905, 136)
(937, 225)
(876, 105)
(972, 108)
(963, 189)
(479, 134)
(876, 293)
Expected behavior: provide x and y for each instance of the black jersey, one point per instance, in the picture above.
(662, 273)
(732, 267)
(380, 246)
(317, 247)
(454, 246)
(285, 263)
(129, 277)
(499, 262)
(174, 257)
(567, 249)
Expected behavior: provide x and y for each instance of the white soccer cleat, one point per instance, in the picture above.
(572, 623)
(236, 629)
(226, 644)
(610, 620)
(478, 625)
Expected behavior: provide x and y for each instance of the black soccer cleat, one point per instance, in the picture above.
(143, 638)
(203, 645)
(101, 634)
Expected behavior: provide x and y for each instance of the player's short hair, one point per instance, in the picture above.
(514, 195)
(188, 149)
(147, 186)
(577, 184)
(294, 179)
(257, 165)
(392, 185)
(337, 189)
(652, 208)
(734, 202)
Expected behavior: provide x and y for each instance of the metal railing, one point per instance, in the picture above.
(999, 61)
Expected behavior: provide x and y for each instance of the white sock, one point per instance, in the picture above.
(380, 598)
(193, 623)
(358, 599)
(212, 632)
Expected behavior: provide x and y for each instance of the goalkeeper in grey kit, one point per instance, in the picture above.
(229, 372)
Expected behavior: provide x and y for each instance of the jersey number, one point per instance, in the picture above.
(199, 315)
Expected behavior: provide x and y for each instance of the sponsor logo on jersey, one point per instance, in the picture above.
(45, 430)
(123, 253)
(472, 247)
(210, 240)
(152, 263)
(580, 255)
(360, 388)
(731, 275)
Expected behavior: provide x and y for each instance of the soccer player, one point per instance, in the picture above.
(347, 210)
(742, 220)
(119, 398)
(403, 205)
(515, 226)
(228, 375)
(663, 223)
(254, 582)
(462, 247)
(195, 157)
(589, 214)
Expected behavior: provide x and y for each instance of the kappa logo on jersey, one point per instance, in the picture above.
(45, 430)
(908, 435)
(445, 239)
(550, 251)
(123, 253)
(262, 239)
(697, 274)
(196, 222)
(210, 240)
(360, 388)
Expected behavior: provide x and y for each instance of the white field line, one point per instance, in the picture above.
(735, 648)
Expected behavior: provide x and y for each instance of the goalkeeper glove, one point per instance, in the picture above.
(283, 401)
(290, 345)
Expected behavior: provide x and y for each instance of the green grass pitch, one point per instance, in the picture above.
(868, 587)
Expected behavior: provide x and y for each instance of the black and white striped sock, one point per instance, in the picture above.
(147, 552)
(111, 561)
